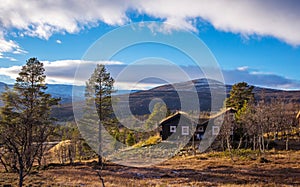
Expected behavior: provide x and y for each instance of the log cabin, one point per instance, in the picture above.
(182, 124)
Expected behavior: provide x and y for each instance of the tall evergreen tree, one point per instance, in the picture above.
(25, 118)
(99, 88)
(240, 94)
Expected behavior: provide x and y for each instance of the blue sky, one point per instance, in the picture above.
(253, 41)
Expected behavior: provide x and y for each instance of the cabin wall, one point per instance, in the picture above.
(166, 129)
(214, 130)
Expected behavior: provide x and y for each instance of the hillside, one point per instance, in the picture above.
(65, 91)
(56, 90)
(139, 100)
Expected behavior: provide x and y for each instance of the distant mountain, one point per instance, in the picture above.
(2, 86)
(139, 101)
(171, 93)
(56, 90)
(65, 92)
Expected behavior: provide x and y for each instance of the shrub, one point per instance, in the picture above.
(130, 140)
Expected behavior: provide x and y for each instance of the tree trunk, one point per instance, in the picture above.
(276, 136)
(40, 156)
(263, 142)
(100, 148)
(287, 143)
(240, 143)
(39, 162)
(246, 143)
(99, 160)
(267, 145)
(194, 149)
(21, 178)
(259, 144)
(4, 164)
(222, 144)
(70, 154)
(228, 143)
(268, 141)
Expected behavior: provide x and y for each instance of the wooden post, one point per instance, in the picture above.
(194, 150)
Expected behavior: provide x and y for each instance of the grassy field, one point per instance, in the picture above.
(280, 168)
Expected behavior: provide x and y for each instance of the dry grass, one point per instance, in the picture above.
(153, 140)
(201, 170)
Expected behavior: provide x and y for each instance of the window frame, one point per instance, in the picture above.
(200, 129)
(173, 128)
(214, 131)
(185, 130)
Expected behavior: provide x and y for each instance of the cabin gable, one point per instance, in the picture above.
(170, 126)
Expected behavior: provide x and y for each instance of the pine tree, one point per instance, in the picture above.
(25, 118)
(98, 92)
(240, 94)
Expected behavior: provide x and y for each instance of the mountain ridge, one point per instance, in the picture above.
(140, 100)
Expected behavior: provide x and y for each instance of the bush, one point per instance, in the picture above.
(130, 140)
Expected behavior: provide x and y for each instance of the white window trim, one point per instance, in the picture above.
(215, 130)
(185, 130)
(173, 128)
(201, 129)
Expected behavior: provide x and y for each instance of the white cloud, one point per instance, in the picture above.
(280, 19)
(9, 46)
(134, 86)
(43, 18)
(11, 72)
(243, 68)
(61, 71)
(262, 79)
(276, 18)
(58, 41)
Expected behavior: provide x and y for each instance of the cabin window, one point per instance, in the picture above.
(200, 129)
(215, 130)
(172, 128)
(185, 130)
